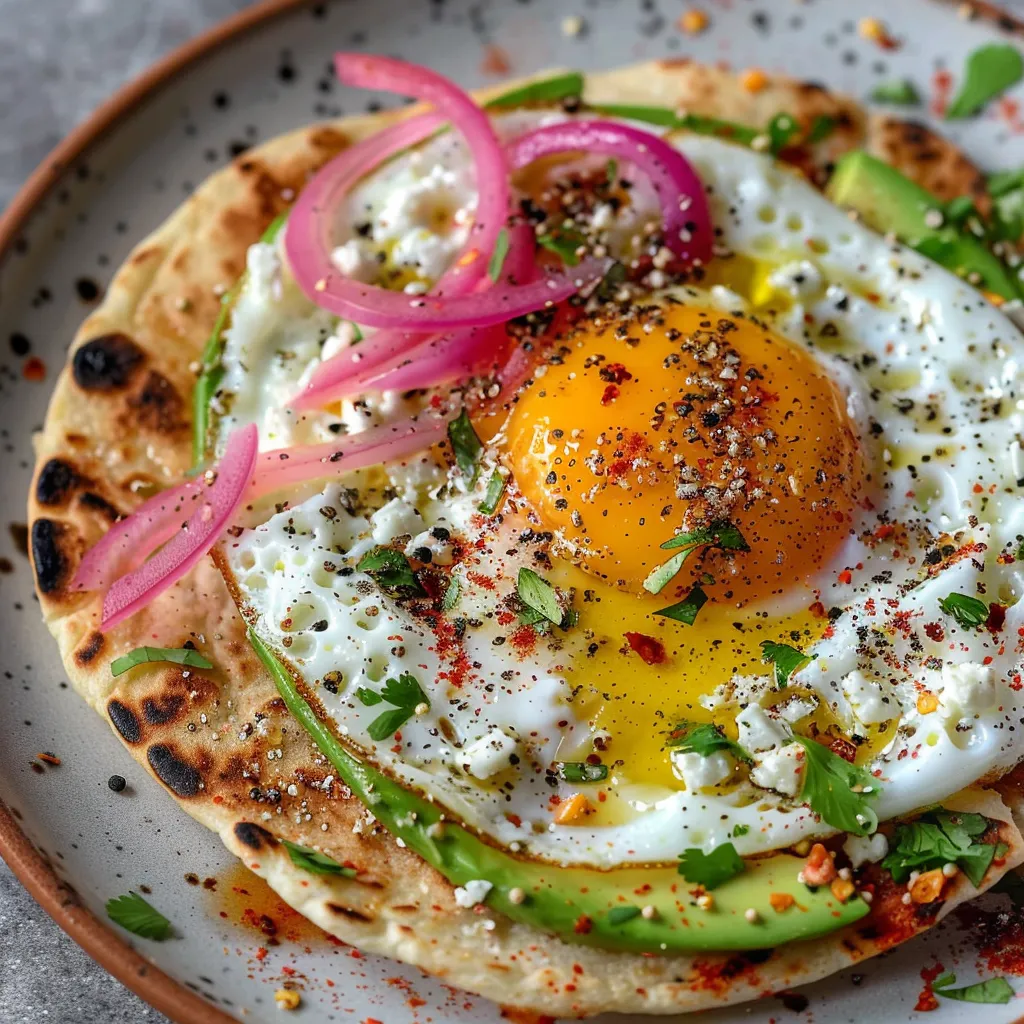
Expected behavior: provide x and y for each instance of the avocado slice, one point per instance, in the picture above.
(888, 201)
(574, 903)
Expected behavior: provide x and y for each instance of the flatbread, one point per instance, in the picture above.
(220, 741)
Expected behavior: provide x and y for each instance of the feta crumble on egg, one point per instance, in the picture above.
(472, 893)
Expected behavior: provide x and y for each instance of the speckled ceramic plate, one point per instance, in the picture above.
(68, 836)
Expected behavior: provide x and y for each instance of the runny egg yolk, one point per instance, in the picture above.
(677, 418)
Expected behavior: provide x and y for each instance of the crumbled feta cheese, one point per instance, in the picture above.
(870, 702)
(866, 849)
(472, 893)
(395, 519)
(759, 731)
(488, 754)
(355, 259)
(967, 689)
(780, 769)
(343, 336)
(422, 250)
(698, 771)
(796, 708)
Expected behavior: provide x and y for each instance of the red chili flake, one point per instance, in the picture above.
(261, 954)
(482, 581)
(49, 758)
(34, 369)
(513, 819)
(495, 61)
(818, 610)
(934, 631)
(610, 394)
(996, 617)
(926, 1000)
(843, 748)
(523, 640)
(846, 576)
(614, 373)
(942, 83)
(885, 530)
(583, 925)
(652, 651)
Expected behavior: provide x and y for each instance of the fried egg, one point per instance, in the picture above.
(851, 408)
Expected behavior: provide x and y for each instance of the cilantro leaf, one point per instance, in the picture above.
(782, 130)
(899, 91)
(990, 70)
(536, 593)
(740, 830)
(495, 490)
(388, 723)
(969, 612)
(837, 791)
(497, 260)
(992, 990)
(451, 594)
(704, 739)
(547, 90)
(686, 610)
(563, 243)
(581, 771)
(719, 534)
(466, 446)
(390, 570)
(710, 869)
(137, 916)
(144, 655)
(938, 838)
(315, 863)
(368, 697)
(786, 659)
(620, 915)
(404, 692)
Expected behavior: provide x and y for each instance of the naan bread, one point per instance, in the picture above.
(221, 741)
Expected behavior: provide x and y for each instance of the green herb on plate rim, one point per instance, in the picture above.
(137, 916)
(989, 72)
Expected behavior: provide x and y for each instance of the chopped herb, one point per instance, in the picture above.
(620, 915)
(710, 869)
(451, 594)
(686, 610)
(1001, 182)
(315, 863)
(786, 659)
(704, 739)
(740, 830)
(719, 534)
(497, 260)
(899, 91)
(390, 570)
(611, 172)
(137, 916)
(144, 655)
(782, 130)
(581, 771)
(406, 694)
(495, 489)
(547, 90)
(536, 593)
(990, 70)
(837, 791)
(563, 243)
(968, 611)
(466, 446)
(821, 128)
(993, 990)
(938, 838)
(959, 209)
(368, 697)
(613, 278)
(665, 117)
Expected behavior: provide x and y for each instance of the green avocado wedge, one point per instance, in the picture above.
(598, 908)
(888, 201)
(211, 371)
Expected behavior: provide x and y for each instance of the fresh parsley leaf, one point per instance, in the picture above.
(786, 659)
(821, 128)
(620, 915)
(536, 593)
(368, 697)
(899, 91)
(837, 791)
(390, 570)
(388, 723)
(451, 594)
(495, 490)
(740, 830)
(969, 612)
(137, 916)
(719, 534)
(315, 863)
(497, 260)
(563, 243)
(145, 655)
(466, 446)
(581, 771)
(782, 130)
(404, 692)
(990, 70)
(710, 869)
(937, 838)
(993, 990)
(547, 90)
(704, 739)
(686, 610)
